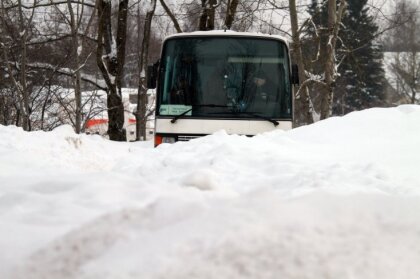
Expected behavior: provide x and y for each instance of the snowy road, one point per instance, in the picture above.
(337, 199)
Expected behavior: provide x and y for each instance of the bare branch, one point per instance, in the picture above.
(51, 3)
(171, 15)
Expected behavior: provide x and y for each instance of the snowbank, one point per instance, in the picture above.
(337, 199)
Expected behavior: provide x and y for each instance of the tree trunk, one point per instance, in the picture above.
(2, 109)
(44, 107)
(230, 13)
(141, 114)
(17, 122)
(202, 23)
(121, 42)
(23, 60)
(111, 64)
(211, 14)
(141, 119)
(76, 70)
(206, 21)
(116, 129)
(303, 108)
(334, 21)
(414, 75)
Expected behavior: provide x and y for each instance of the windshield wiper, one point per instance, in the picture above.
(173, 120)
(275, 123)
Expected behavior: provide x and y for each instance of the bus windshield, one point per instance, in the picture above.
(229, 77)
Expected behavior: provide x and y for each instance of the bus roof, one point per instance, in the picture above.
(227, 33)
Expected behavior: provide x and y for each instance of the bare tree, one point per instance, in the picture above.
(208, 13)
(334, 21)
(22, 87)
(51, 45)
(405, 66)
(141, 114)
(110, 58)
(303, 114)
(330, 67)
(406, 71)
(171, 15)
(77, 79)
(232, 5)
(20, 82)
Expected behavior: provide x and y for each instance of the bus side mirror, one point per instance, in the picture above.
(295, 74)
(151, 75)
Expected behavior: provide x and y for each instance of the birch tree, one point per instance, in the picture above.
(334, 22)
(329, 74)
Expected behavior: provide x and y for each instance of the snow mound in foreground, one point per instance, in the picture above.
(337, 199)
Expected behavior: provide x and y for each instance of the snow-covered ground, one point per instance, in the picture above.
(337, 199)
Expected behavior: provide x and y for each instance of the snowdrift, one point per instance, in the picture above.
(337, 199)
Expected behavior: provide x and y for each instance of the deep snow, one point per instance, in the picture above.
(337, 199)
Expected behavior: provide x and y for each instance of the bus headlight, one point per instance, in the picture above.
(163, 139)
(168, 140)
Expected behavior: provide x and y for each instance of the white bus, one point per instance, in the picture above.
(214, 80)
